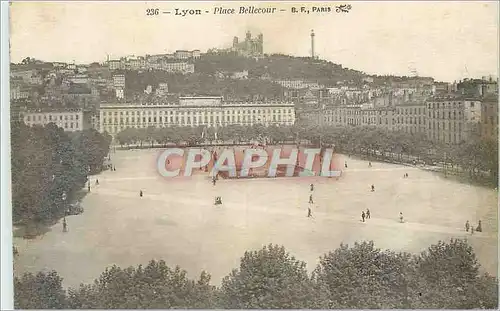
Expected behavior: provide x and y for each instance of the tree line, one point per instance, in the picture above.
(205, 80)
(445, 276)
(278, 66)
(201, 83)
(373, 142)
(49, 167)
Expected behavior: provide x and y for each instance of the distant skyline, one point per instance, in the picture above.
(445, 40)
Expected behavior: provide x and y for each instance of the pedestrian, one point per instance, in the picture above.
(309, 212)
(406, 175)
(401, 217)
(368, 214)
(311, 199)
(467, 226)
(65, 225)
(363, 216)
(479, 227)
(345, 164)
(97, 181)
(140, 193)
(369, 164)
(373, 188)
(88, 188)
(218, 200)
(312, 187)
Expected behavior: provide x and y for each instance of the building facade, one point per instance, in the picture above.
(411, 117)
(70, 120)
(357, 115)
(119, 81)
(177, 67)
(19, 92)
(194, 111)
(489, 118)
(184, 54)
(453, 120)
(298, 84)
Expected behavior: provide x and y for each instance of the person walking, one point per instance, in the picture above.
(363, 216)
(140, 193)
(373, 188)
(467, 226)
(65, 225)
(401, 219)
(369, 164)
(311, 199)
(309, 212)
(368, 216)
(97, 181)
(479, 227)
(312, 187)
(345, 164)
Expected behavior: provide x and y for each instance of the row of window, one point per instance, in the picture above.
(433, 126)
(398, 120)
(51, 117)
(442, 114)
(121, 113)
(374, 112)
(453, 126)
(414, 110)
(400, 111)
(65, 125)
(188, 119)
(447, 105)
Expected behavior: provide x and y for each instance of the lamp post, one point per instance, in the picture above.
(64, 197)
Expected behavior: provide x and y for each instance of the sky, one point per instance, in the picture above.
(446, 40)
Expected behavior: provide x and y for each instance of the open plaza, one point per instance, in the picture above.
(176, 219)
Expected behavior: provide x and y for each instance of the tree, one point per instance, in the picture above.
(151, 134)
(40, 291)
(448, 276)
(363, 277)
(47, 165)
(126, 136)
(154, 286)
(269, 279)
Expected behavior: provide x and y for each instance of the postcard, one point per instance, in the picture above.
(253, 155)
